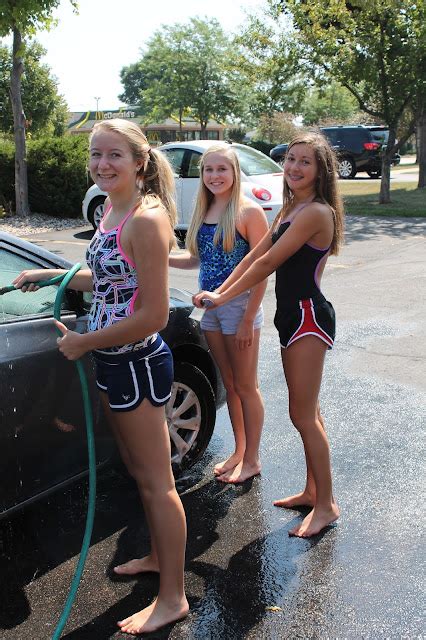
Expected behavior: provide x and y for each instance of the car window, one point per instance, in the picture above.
(175, 157)
(354, 137)
(16, 304)
(255, 163)
(380, 135)
(331, 134)
(193, 165)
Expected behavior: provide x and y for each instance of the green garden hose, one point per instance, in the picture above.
(64, 280)
(92, 465)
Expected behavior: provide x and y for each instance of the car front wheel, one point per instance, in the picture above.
(346, 168)
(190, 414)
(95, 211)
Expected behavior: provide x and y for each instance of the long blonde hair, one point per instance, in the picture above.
(226, 226)
(326, 185)
(155, 179)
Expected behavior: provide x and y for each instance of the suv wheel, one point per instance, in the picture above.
(346, 168)
(96, 210)
(191, 415)
(375, 174)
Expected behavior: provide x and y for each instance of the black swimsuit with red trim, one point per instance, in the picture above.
(301, 307)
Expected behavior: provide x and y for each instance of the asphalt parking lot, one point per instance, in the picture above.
(363, 578)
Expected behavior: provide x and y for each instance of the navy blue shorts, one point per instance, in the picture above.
(129, 378)
(309, 318)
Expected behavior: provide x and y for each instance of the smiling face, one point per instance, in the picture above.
(218, 174)
(111, 162)
(301, 168)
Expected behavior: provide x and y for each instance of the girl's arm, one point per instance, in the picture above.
(258, 251)
(184, 261)
(255, 227)
(82, 281)
(150, 238)
(302, 229)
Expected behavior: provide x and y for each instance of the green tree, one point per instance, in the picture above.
(271, 73)
(330, 103)
(44, 109)
(22, 18)
(375, 49)
(276, 127)
(185, 68)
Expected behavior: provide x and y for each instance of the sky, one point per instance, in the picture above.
(87, 51)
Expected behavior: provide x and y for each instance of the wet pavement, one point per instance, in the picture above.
(245, 578)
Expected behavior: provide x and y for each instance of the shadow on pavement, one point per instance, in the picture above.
(370, 228)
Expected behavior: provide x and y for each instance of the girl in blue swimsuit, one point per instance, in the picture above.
(308, 229)
(224, 227)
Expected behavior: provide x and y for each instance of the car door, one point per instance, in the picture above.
(42, 424)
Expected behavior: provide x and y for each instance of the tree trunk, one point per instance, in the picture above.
(21, 180)
(384, 197)
(421, 128)
(203, 132)
(180, 124)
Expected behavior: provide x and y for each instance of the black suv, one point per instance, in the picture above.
(358, 148)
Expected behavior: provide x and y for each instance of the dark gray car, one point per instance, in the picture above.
(42, 425)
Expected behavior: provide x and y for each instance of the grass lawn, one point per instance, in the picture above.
(362, 199)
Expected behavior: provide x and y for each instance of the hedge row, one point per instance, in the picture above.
(57, 175)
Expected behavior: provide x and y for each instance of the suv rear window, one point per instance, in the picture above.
(380, 135)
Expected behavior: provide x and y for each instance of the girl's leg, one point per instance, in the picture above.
(216, 342)
(308, 496)
(303, 366)
(148, 563)
(244, 368)
(144, 434)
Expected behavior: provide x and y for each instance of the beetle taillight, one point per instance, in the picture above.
(261, 194)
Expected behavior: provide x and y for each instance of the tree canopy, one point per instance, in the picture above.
(45, 110)
(185, 69)
(274, 79)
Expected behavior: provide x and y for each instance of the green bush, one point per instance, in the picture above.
(57, 169)
(7, 175)
(57, 175)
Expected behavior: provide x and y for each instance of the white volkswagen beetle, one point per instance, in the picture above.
(261, 180)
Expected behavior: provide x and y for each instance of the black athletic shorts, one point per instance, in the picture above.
(129, 378)
(309, 318)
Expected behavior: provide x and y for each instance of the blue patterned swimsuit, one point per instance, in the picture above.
(215, 263)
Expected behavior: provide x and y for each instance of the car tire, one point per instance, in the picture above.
(346, 168)
(95, 211)
(374, 174)
(191, 415)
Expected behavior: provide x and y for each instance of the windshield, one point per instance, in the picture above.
(255, 163)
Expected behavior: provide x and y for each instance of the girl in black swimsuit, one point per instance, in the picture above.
(308, 229)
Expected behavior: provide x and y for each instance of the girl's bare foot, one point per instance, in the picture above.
(242, 472)
(157, 615)
(316, 521)
(303, 499)
(227, 465)
(138, 565)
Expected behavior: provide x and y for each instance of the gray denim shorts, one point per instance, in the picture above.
(227, 317)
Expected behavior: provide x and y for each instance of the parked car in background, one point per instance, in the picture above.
(42, 425)
(261, 181)
(358, 148)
